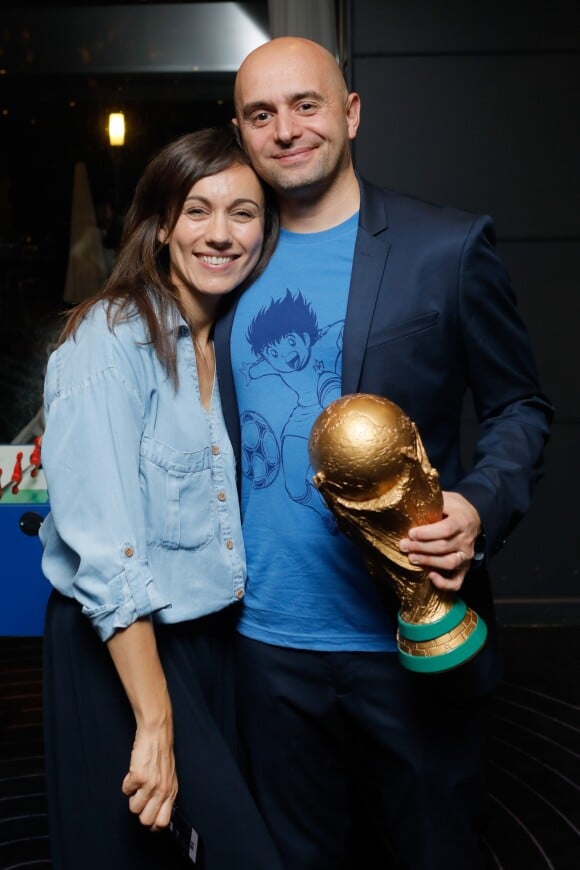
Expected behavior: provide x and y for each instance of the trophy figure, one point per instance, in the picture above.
(371, 468)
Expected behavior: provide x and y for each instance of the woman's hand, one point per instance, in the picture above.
(151, 783)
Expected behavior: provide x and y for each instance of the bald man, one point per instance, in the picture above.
(349, 754)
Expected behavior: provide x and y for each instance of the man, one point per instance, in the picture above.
(368, 291)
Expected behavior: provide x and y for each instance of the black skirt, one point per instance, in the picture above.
(89, 731)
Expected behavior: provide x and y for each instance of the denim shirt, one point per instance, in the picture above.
(144, 515)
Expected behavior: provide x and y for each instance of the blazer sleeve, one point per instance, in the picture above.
(514, 415)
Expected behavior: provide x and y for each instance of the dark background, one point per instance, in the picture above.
(474, 105)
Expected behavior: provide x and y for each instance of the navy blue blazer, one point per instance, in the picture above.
(432, 317)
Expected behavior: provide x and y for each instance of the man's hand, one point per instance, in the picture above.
(445, 548)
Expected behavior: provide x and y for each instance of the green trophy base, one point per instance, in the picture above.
(434, 647)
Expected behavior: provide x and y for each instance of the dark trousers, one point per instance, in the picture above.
(356, 762)
(89, 732)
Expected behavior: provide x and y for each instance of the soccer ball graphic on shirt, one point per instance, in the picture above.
(260, 450)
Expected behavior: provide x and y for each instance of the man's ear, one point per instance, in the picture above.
(352, 114)
(235, 122)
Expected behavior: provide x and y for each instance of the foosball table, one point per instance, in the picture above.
(23, 505)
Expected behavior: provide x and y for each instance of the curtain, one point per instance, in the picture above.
(312, 19)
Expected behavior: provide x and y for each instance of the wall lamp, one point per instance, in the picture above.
(116, 128)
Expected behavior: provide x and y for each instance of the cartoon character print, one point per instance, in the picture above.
(287, 343)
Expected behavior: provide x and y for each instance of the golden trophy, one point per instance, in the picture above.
(371, 468)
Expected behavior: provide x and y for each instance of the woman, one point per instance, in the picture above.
(143, 542)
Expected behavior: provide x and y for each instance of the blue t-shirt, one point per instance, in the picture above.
(307, 585)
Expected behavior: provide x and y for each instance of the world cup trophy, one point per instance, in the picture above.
(372, 470)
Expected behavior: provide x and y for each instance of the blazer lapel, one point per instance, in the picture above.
(222, 333)
(370, 257)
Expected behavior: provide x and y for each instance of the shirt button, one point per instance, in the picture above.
(239, 593)
(230, 544)
(215, 449)
(129, 551)
(221, 495)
